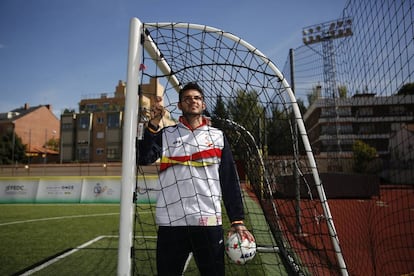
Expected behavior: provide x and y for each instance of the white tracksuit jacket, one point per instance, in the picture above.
(196, 171)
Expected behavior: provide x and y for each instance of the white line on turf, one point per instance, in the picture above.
(56, 218)
(64, 255)
(63, 217)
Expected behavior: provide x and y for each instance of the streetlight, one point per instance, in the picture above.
(327, 31)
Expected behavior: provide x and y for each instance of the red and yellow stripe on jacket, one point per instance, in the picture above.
(197, 159)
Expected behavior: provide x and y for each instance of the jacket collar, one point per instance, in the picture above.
(184, 121)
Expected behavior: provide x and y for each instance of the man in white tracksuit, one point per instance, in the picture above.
(196, 172)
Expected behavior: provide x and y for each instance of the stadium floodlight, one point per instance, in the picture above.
(327, 30)
(325, 33)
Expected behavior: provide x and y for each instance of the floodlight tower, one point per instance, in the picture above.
(325, 33)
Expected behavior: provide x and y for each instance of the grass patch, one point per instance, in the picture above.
(34, 234)
(41, 231)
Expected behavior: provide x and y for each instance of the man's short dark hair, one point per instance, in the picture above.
(190, 86)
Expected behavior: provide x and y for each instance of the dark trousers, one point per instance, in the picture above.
(175, 243)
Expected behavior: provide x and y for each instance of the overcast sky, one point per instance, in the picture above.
(59, 51)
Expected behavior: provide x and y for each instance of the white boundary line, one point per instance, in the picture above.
(64, 217)
(64, 255)
(56, 218)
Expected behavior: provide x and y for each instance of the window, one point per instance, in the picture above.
(344, 111)
(100, 135)
(328, 112)
(100, 120)
(83, 153)
(90, 107)
(113, 153)
(346, 129)
(366, 129)
(99, 151)
(84, 122)
(66, 126)
(113, 120)
(397, 110)
(328, 129)
(365, 111)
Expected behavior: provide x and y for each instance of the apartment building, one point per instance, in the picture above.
(334, 125)
(94, 134)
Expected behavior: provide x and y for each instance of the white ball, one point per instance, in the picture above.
(240, 251)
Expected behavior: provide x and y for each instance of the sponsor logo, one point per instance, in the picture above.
(68, 187)
(99, 190)
(14, 188)
(247, 255)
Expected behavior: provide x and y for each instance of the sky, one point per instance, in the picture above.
(59, 51)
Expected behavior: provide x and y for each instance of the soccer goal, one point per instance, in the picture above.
(252, 102)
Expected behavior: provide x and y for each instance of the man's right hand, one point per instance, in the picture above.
(157, 111)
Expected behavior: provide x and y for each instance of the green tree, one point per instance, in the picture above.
(12, 149)
(406, 89)
(52, 144)
(271, 129)
(246, 110)
(67, 110)
(363, 154)
(302, 106)
(342, 91)
(279, 133)
(219, 113)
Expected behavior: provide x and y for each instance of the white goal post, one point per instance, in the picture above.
(128, 179)
(130, 133)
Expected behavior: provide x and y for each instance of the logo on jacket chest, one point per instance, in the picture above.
(177, 142)
(208, 141)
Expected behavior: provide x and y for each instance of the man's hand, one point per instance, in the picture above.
(242, 231)
(157, 111)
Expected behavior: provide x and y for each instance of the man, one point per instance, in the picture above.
(196, 171)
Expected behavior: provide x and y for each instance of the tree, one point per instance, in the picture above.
(219, 112)
(279, 133)
(67, 110)
(12, 149)
(52, 144)
(246, 110)
(406, 89)
(342, 91)
(363, 154)
(302, 106)
(271, 130)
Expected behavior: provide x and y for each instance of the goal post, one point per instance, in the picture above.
(207, 60)
(128, 179)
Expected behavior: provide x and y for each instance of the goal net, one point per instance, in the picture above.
(251, 101)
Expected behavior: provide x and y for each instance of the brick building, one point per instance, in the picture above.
(94, 134)
(35, 126)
